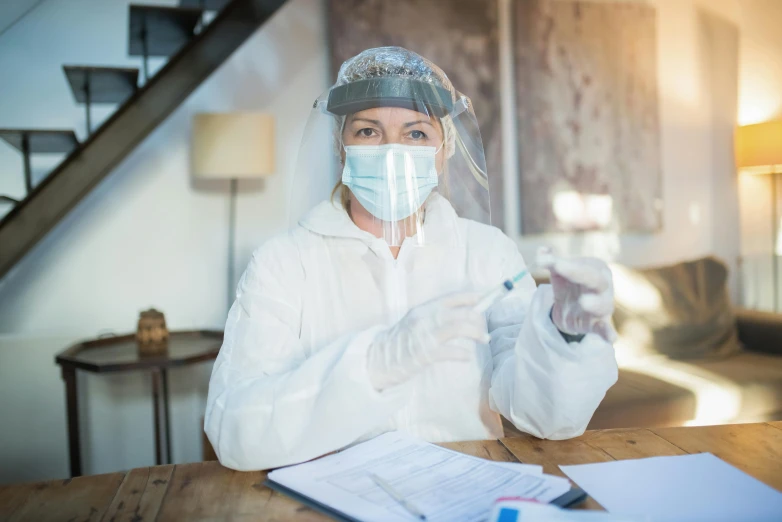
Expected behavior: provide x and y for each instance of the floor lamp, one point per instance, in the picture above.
(759, 151)
(232, 146)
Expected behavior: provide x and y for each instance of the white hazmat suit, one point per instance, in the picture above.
(340, 330)
(291, 383)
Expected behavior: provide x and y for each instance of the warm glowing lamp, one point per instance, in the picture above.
(759, 151)
(232, 146)
(759, 147)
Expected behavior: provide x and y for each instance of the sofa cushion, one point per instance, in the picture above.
(638, 400)
(681, 311)
(758, 380)
(744, 388)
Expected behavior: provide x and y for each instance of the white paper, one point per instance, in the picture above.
(445, 485)
(685, 488)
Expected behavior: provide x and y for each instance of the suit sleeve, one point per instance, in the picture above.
(544, 385)
(271, 405)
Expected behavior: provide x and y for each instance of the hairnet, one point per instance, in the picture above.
(385, 62)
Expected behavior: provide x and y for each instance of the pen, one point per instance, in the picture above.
(385, 486)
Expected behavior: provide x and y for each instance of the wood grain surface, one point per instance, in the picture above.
(208, 491)
(140, 495)
(82, 498)
(755, 449)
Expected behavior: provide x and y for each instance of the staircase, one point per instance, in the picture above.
(194, 50)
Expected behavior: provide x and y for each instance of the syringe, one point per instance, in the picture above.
(492, 296)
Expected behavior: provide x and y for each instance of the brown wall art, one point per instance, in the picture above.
(586, 98)
(588, 129)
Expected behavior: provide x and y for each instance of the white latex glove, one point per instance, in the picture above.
(443, 329)
(583, 295)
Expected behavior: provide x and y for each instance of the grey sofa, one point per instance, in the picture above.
(753, 376)
(710, 363)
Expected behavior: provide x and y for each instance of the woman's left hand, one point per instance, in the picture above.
(583, 297)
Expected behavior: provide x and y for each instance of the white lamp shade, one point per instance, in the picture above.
(232, 145)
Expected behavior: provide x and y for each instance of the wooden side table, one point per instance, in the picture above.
(120, 354)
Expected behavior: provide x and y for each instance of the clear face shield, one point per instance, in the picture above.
(398, 155)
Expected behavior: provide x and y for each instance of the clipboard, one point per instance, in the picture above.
(571, 498)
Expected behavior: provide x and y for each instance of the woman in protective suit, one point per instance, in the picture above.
(361, 319)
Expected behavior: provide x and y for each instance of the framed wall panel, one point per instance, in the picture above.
(588, 124)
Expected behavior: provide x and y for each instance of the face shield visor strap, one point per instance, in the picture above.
(391, 91)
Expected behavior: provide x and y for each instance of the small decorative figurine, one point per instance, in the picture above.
(152, 334)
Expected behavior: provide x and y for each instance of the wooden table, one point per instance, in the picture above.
(120, 354)
(208, 491)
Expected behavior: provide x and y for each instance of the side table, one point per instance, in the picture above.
(120, 354)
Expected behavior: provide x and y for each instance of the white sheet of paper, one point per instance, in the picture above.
(446, 485)
(684, 488)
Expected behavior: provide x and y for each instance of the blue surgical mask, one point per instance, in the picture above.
(390, 181)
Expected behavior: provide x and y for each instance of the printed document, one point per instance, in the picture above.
(445, 485)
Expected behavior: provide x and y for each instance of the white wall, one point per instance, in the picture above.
(145, 237)
(760, 99)
(760, 84)
(148, 237)
(13, 10)
(719, 43)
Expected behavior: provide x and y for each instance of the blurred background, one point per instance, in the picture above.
(642, 132)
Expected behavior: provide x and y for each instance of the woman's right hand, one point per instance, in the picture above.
(442, 329)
